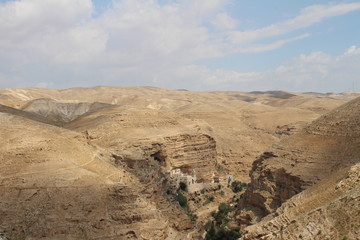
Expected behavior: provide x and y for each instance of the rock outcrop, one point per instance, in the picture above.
(102, 172)
(243, 124)
(327, 210)
(31, 116)
(55, 185)
(191, 152)
(135, 135)
(61, 113)
(327, 147)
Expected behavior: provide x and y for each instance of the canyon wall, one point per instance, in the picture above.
(319, 154)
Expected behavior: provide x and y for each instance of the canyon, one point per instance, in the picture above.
(308, 185)
(96, 163)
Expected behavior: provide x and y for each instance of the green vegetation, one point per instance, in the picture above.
(183, 186)
(216, 233)
(237, 186)
(193, 217)
(234, 199)
(208, 199)
(221, 215)
(182, 200)
(217, 229)
(220, 169)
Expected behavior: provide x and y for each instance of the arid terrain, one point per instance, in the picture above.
(109, 163)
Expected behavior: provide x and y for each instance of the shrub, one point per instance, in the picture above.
(237, 186)
(221, 215)
(217, 230)
(183, 186)
(211, 232)
(208, 199)
(182, 200)
(220, 169)
(224, 208)
(220, 233)
(193, 217)
(231, 234)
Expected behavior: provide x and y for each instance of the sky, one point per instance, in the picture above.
(198, 45)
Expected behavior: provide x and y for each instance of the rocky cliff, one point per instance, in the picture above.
(327, 210)
(243, 124)
(135, 135)
(327, 147)
(191, 152)
(55, 185)
(103, 174)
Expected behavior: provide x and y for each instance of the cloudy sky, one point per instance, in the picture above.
(243, 45)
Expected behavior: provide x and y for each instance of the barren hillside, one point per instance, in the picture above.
(97, 163)
(54, 185)
(243, 125)
(323, 158)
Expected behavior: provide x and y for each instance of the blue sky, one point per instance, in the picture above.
(198, 45)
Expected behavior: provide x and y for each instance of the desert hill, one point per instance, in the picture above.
(322, 158)
(327, 210)
(61, 113)
(96, 162)
(54, 185)
(138, 134)
(242, 124)
(31, 116)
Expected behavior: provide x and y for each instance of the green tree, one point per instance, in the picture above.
(237, 186)
(217, 229)
(182, 200)
(183, 186)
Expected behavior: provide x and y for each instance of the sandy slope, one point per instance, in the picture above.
(104, 174)
(323, 158)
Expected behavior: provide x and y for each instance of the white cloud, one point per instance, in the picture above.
(319, 71)
(257, 48)
(307, 17)
(304, 72)
(41, 29)
(31, 19)
(316, 62)
(224, 21)
(138, 40)
(202, 77)
(353, 50)
(316, 71)
(136, 31)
